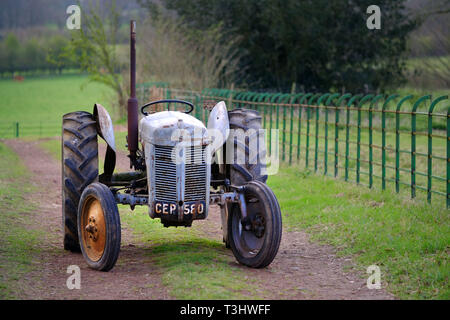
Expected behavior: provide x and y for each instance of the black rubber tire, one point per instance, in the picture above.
(112, 222)
(79, 169)
(271, 238)
(240, 174)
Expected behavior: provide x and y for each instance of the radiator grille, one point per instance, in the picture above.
(165, 174)
(195, 181)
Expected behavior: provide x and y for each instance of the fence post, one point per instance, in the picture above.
(358, 145)
(17, 129)
(291, 121)
(327, 104)
(397, 142)
(347, 133)
(336, 133)
(383, 140)
(273, 98)
(302, 100)
(430, 145)
(168, 96)
(230, 98)
(316, 150)
(308, 119)
(372, 103)
(299, 127)
(413, 144)
(284, 99)
(264, 99)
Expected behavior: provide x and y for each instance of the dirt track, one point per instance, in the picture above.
(301, 270)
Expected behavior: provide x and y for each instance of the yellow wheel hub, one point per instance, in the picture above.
(93, 229)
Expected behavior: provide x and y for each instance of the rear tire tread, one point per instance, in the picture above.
(79, 169)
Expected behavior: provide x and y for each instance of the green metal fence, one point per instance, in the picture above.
(391, 142)
(15, 129)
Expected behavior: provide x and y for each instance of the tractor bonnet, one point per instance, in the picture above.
(164, 129)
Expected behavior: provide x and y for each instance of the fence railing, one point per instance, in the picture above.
(391, 142)
(15, 129)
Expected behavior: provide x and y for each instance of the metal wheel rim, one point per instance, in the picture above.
(93, 229)
(246, 242)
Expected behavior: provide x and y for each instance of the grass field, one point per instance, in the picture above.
(408, 239)
(38, 104)
(17, 241)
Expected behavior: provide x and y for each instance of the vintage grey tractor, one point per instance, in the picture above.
(171, 173)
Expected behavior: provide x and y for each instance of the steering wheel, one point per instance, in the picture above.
(166, 101)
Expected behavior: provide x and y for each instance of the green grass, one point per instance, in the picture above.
(38, 104)
(18, 242)
(193, 266)
(409, 240)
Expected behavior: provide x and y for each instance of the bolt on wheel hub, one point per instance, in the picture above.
(93, 229)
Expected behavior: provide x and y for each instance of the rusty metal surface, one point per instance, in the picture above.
(132, 101)
(93, 229)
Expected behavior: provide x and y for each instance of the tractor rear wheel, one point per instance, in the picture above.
(79, 169)
(249, 121)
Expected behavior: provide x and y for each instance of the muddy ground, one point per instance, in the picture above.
(301, 270)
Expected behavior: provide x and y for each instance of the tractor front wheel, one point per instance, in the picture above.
(99, 227)
(256, 239)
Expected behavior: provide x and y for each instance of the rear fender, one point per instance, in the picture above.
(105, 130)
(218, 122)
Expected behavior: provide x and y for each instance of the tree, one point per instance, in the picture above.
(169, 51)
(430, 44)
(12, 48)
(93, 48)
(33, 56)
(321, 44)
(57, 54)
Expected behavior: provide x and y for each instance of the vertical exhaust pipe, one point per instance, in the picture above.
(132, 101)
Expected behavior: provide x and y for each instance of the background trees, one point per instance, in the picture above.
(262, 44)
(34, 55)
(321, 44)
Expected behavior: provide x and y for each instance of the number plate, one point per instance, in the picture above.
(171, 208)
